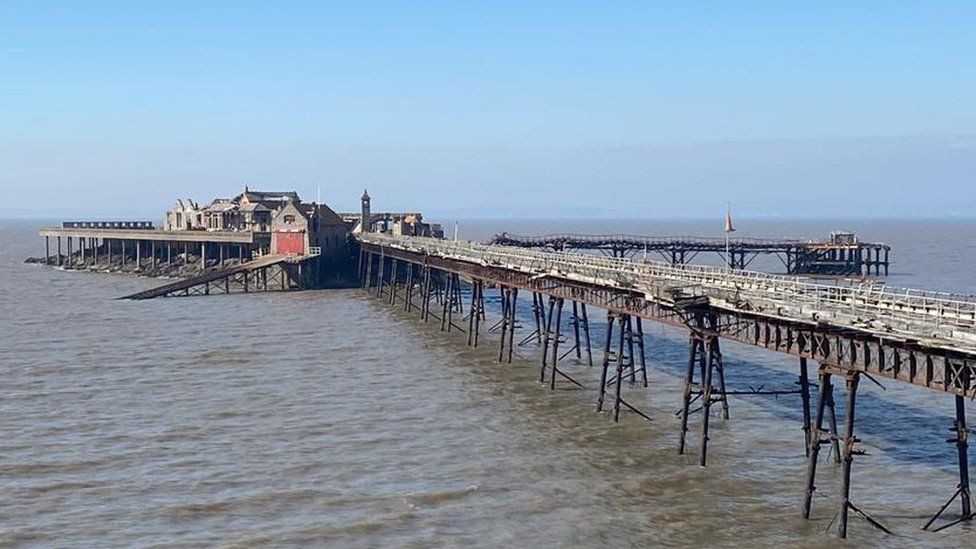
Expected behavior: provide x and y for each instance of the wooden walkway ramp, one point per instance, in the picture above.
(273, 272)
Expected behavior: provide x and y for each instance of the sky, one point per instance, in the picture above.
(492, 108)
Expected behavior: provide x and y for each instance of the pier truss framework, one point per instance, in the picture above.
(797, 256)
(852, 332)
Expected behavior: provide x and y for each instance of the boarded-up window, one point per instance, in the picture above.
(290, 243)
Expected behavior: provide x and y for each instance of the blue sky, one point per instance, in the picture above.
(639, 109)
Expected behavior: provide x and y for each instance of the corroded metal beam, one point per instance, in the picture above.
(906, 359)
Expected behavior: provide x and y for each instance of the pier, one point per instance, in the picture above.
(840, 255)
(842, 332)
(273, 272)
(81, 247)
(254, 241)
(852, 332)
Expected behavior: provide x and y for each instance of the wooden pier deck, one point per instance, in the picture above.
(268, 273)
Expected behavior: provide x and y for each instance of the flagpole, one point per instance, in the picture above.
(728, 229)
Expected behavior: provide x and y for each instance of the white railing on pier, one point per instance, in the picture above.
(867, 306)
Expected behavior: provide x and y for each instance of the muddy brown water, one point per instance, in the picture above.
(327, 418)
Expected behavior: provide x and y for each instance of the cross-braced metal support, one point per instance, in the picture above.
(508, 324)
(961, 439)
(581, 334)
(607, 358)
(552, 337)
(704, 352)
(621, 360)
(539, 318)
(447, 305)
(475, 311)
(848, 450)
(817, 434)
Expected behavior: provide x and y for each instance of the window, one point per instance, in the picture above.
(289, 219)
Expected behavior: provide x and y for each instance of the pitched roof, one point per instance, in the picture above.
(221, 205)
(255, 207)
(269, 195)
(328, 216)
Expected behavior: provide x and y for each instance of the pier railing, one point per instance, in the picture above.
(939, 318)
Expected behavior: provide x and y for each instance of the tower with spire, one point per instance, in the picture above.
(366, 223)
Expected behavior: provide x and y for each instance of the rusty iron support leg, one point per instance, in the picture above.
(629, 337)
(408, 288)
(640, 349)
(539, 310)
(512, 319)
(575, 321)
(815, 442)
(693, 351)
(393, 281)
(445, 307)
(380, 276)
(719, 364)
(832, 416)
(547, 340)
(961, 440)
(962, 448)
(425, 293)
(711, 343)
(481, 302)
(621, 329)
(849, 441)
(473, 308)
(478, 312)
(606, 360)
(586, 335)
(506, 302)
(805, 401)
(450, 298)
(458, 299)
(555, 344)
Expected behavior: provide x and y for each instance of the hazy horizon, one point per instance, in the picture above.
(109, 108)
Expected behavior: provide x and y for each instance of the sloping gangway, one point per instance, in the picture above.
(852, 330)
(267, 273)
(848, 257)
